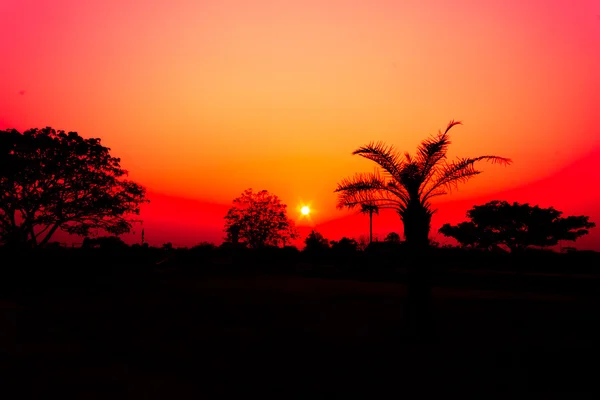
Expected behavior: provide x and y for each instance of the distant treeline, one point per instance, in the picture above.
(113, 253)
(100, 270)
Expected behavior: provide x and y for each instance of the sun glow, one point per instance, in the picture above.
(306, 212)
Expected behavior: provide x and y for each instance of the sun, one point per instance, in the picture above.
(305, 210)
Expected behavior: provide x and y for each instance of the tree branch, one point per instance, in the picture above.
(50, 233)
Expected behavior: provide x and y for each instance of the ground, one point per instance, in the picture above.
(289, 337)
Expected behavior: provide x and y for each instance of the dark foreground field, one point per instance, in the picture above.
(292, 337)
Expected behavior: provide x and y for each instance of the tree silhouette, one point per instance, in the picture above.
(344, 245)
(516, 226)
(105, 242)
(51, 180)
(392, 237)
(370, 208)
(408, 183)
(257, 220)
(315, 241)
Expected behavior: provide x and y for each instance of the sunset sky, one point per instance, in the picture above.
(203, 99)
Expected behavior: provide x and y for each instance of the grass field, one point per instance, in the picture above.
(292, 337)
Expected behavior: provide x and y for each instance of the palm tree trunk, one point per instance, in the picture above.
(417, 223)
(416, 230)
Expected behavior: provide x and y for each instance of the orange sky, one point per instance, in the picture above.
(202, 99)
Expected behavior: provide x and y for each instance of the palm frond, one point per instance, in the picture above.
(368, 188)
(410, 178)
(361, 182)
(351, 201)
(367, 208)
(433, 150)
(451, 174)
(437, 192)
(399, 191)
(358, 189)
(451, 124)
(385, 156)
(428, 206)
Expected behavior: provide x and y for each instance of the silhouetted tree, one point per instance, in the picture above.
(258, 220)
(51, 180)
(363, 242)
(204, 245)
(516, 226)
(315, 242)
(568, 249)
(392, 237)
(370, 208)
(233, 234)
(409, 183)
(344, 245)
(105, 243)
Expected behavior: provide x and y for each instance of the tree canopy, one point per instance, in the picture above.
(392, 237)
(259, 219)
(51, 180)
(345, 245)
(407, 183)
(516, 226)
(315, 241)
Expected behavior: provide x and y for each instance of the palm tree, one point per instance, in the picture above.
(407, 183)
(370, 208)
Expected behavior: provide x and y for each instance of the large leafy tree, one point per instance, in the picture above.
(259, 219)
(516, 226)
(51, 180)
(407, 183)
